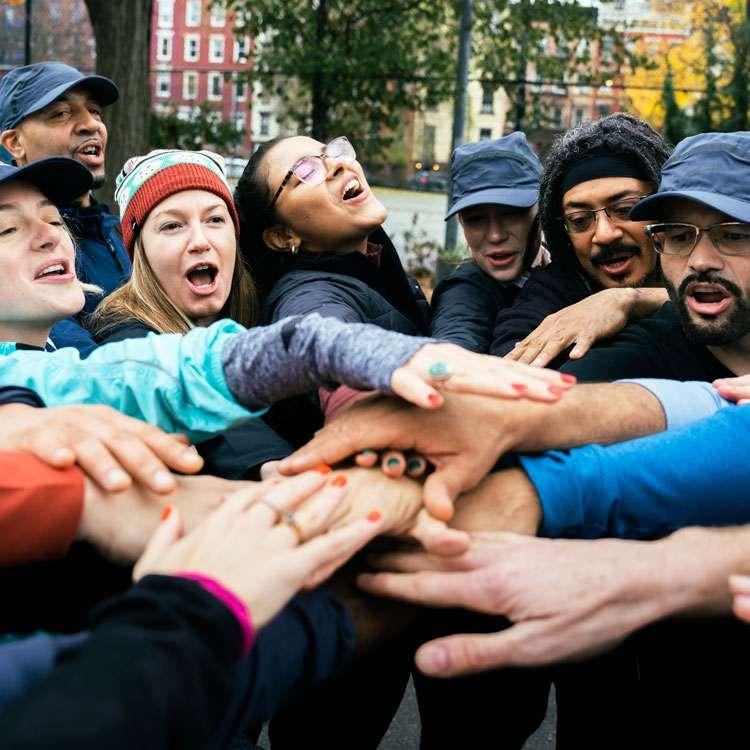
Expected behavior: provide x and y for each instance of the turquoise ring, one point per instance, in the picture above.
(439, 371)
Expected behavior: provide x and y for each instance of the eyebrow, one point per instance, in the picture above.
(181, 212)
(14, 206)
(612, 199)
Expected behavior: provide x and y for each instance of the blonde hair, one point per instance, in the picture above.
(143, 298)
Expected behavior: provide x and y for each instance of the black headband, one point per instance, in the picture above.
(598, 164)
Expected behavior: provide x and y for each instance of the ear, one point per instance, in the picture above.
(281, 238)
(10, 140)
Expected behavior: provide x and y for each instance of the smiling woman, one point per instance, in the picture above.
(180, 226)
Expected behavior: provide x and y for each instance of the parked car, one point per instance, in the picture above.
(428, 180)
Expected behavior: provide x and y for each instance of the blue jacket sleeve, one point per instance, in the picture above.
(175, 382)
(647, 488)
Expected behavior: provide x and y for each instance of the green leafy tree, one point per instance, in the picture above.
(738, 89)
(203, 129)
(351, 67)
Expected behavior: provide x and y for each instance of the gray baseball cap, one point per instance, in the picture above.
(504, 171)
(26, 90)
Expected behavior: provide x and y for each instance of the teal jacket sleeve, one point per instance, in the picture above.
(647, 488)
(175, 382)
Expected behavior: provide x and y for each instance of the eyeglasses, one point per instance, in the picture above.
(312, 169)
(582, 221)
(728, 237)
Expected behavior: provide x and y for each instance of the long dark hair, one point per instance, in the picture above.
(253, 196)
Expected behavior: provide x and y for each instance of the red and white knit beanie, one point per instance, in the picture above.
(145, 181)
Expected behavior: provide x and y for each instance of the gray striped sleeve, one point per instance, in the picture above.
(298, 354)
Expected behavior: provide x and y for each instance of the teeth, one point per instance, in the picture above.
(353, 184)
(204, 267)
(57, 268)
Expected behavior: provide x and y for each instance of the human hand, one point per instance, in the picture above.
(463, 440)
(249, 547)
(451, 368)
(734, 389)
(111, 448)
(119, 524)
(599, 316)
(566, 598)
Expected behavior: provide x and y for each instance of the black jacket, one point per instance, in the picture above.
(238, 453)
(465, 305)
(352, 288)
(547, 290)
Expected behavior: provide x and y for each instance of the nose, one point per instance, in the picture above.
(497, 230)
(606, 231)
(197, 240)
(335, 165)
(46, 237)
(86, 122)
(705, 257)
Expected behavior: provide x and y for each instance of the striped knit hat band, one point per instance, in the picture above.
(145, 181)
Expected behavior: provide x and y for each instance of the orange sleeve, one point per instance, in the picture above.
(40, 508)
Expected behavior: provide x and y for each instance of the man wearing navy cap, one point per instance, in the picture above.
(51, 109)
(594, 174)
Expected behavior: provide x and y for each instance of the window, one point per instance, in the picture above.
(428, 144)
(193, 13)
(164, 46)
(192, 47)
(240, 89)
(488, 99)
(216, 48)
(189, 85)
(241, 49)
(166, 14)
(557, 117)
(602, 110)
(579, 115)
(218, 16)
(239, 121)
(265, 124)
(163, 85)
(485, 134)
(215, 85)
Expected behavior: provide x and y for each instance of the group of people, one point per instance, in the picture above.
(226, 397)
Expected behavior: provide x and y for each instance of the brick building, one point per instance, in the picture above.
(195, 58)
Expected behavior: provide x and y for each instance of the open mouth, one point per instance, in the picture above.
(202, 278)
(54, 270)
(501, 260)
(617, 265)
(352, 189)
(90, 153)
(707, 299)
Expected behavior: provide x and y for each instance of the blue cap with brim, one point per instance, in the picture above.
(28, 89)
(712, 169)
(502, 172)
(61, 180)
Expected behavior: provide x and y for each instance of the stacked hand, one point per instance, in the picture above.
(263, 546)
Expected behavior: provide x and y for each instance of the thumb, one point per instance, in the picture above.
(447, 482)
(166, 534)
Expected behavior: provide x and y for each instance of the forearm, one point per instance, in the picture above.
(297, 355)
(646, 488)
(596, 413)
(646, 301)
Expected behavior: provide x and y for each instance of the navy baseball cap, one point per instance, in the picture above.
(712, 169)
(504, 171)
(26, 90)
(60, 179)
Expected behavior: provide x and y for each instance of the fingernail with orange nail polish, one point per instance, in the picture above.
(322, 468)
(518, 387)
(556, 390)
(568, 378)
(339, 481)
(166, 512)
(374, 515)
(433, 398)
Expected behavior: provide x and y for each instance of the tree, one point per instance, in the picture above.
(123, 36)
(554, 41)
(676, 123)
(203, 129)
(351, 67)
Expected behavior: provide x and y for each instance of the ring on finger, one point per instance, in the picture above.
(439, 371)
(291, 520)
